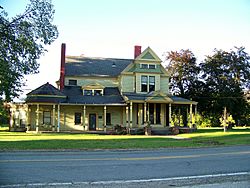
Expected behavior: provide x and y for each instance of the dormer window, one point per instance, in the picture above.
(94, 89)
(144, 66)
(97, 92)
(90, 92)
(147, 66)
(151, 66)
(87, 92)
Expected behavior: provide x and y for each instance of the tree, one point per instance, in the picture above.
(226, 75)
(23, 40)
(183, 71)
(183, 75)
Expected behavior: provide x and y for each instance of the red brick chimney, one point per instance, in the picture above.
(137, 51)
(62, 72)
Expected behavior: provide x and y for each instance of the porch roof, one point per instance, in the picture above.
(156, 97)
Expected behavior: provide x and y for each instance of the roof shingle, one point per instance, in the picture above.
(105, 67)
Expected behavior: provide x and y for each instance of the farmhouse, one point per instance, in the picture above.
(99, 93)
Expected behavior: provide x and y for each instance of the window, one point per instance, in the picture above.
(147, 83)
(108, 118)
(144, 66)
(46, 117)
(87, 92)
(73, 82)
(144, 83)
(151, 83)
(98, 92)
(78, 118)
(151, 66)
(147, 66)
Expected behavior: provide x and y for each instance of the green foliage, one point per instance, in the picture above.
(202, 122)
(23, 40)
(183, 71)
(225, 75)
(229, 120)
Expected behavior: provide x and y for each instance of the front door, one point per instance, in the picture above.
(92, 122)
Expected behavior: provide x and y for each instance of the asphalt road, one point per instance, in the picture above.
(103, 167)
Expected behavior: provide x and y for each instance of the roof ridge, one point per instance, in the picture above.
(98, 58)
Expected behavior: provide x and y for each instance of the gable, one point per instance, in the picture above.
(148, 55)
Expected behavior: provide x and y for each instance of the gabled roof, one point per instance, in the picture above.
(148, 55)
(46, 89)
(47, 94)
(103, 67)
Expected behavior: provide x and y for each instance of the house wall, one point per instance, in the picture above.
(164, 84)
(128, 83)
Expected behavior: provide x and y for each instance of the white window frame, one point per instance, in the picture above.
(148, 83)
(147, 66)
(93, 92)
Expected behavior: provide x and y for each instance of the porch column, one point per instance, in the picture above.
(11, 118)
(37, 117)
(140, 118)
(83, 118)
(169, 114)
(191, 115)
(195, 113)
(27, 118)
(145, 113)
(131, 114)
(104, 118)
(53, 117)
(127, 116)
(58, 118)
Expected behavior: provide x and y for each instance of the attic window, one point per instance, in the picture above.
(72, 82)
(144, 66)
(147, 66)
(151, 66)
(114, 65)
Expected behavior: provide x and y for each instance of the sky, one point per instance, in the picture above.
(111, 28)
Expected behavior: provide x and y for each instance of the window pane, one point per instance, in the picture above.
(108, 118)
(73, 82)
(144, 79)
(87, 92)
(78, 118)
(144, 66)
(144, 83)
(151, 66)
(97, 92)
(151, 83)
(151, 79)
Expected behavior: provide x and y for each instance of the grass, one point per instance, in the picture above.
(201, 138)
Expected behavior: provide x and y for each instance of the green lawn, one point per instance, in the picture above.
(201, 138)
